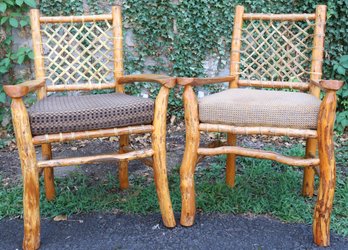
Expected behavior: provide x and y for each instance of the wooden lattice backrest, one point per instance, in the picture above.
(78, 52)
(283, 50)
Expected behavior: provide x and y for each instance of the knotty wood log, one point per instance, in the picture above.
(147, 161)
(123, 165)
(118, 45)
(309, 172)
(37, 50)
(48, 173)
(323, 207)
(328, 84)
(255, 153)
(183, 81)
(315, 74)
(95, 158)
(31, 192)
(278, 17)
(159, 157)
(75, 19)
(274, 84)
(234, 70)
(79, 86)
(187, 169)
(71, 136)
(22, 89)
(164, 80)
(273, 131)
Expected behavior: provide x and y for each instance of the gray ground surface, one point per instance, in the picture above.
(117, 231)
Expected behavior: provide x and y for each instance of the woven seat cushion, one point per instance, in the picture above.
(89, 112)
(263, 108)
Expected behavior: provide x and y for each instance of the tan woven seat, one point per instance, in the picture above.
(89, 112)
(251, 107)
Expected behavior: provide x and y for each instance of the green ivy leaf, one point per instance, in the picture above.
(341, 70)
(23, 22)
(3, 7)
(31, 3)
(4, 19)
(19, 2)
(13, 22)
(2, 97)
(20, 59)
(31, 55)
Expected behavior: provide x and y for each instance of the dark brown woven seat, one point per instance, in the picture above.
(58, 114)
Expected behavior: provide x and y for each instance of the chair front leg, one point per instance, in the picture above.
(123, 165)
(231, 161)
(31, 192)
(322, 212)
(188, 165)
(309, 173)
(159, 158)
(48, 173)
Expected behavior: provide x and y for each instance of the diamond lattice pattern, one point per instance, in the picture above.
(78, 52)
(276, 51)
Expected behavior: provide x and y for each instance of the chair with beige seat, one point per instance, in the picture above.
(283, 51)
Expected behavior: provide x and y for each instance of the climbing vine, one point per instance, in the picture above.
(13, 16)
(177, 37)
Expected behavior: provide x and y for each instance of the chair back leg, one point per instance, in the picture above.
(50, 190)
(123, 165)
(322, 211)
(309, 173)
(31, 190)
(231, 161)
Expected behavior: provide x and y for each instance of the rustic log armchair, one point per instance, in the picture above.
(268, 51)
(84, 53)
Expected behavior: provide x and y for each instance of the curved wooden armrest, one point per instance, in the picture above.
(202, 81)
(326, 85)
(22, 89)
(166, 81)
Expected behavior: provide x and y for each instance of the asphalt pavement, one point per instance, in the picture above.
(121, 231)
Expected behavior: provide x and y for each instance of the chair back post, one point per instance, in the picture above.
(118, 45)
(236, 43)
(37, 49)
(318, 48)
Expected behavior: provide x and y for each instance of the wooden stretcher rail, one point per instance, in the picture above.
(63, 137)
(303, 133)
(146, 161)
(96, 158)
(75, 19)
(82, 86)
(261, 154)
(278, 17)
(274, 84)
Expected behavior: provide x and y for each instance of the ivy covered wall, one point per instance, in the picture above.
(193, 37)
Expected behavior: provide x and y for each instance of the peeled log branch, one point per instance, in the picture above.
(305, 133)
(261, 154)
(71, 136)
(97, 158)
(274, 84)
(75, 19)
(327, 180)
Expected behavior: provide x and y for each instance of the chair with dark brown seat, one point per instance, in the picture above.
(84, 53)
(268, 51)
